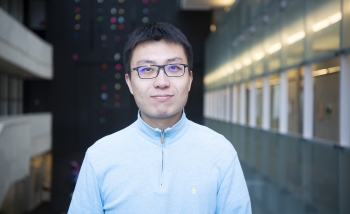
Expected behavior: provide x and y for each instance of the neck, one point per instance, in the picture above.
(161, 123)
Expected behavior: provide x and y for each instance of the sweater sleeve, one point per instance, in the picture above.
(233, 196)
(86, 196)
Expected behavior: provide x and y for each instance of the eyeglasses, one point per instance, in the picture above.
(152, 71)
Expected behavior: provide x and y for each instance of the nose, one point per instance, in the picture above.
(162, 80)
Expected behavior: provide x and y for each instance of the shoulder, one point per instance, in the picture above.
(210, 138)
(112, 141)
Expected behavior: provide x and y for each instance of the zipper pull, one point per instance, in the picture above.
(162, 137)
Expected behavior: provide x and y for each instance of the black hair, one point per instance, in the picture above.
(156, 31)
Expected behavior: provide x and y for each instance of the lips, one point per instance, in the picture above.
(162, 96)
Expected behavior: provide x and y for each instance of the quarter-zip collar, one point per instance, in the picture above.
(171, 134)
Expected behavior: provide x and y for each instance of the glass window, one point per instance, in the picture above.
(346, 24)
(259, 102)
(293, 33)
(274, 81)
(323, 25)
(273, 44)
(326, 99)
(295, 102)
(247, 103)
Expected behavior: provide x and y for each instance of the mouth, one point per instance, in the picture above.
(162, 97)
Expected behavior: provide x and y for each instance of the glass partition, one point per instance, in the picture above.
(323, 27)
(274, 82)
(295, 101)
(293, 33)
(326, 99)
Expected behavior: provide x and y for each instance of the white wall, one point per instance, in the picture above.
(21, 137)
(22, 52)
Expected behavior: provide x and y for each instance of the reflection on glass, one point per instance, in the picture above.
(295, 102)
(275, 101)
(326, 99)
(259, 102)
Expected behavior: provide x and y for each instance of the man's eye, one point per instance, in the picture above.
(145, 69)
(174, 67)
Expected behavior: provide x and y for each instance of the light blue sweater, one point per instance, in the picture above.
(195, 170)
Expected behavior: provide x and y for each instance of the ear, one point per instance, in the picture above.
(190, 81)
(128, 81)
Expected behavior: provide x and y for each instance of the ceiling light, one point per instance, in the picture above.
(247, 61)
(238, 66)
(212, 28)
(274, 48)
(326, 22)
(319, 72)
(258, 56)
(295, 37)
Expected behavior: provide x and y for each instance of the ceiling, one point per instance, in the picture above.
(205, 4)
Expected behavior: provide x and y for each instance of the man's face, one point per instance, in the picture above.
(162, 97)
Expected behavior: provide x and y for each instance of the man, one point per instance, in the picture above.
(162, 163)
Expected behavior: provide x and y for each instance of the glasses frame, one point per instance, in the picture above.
(159, 67)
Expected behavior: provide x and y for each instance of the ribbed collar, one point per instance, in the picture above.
(171, 134)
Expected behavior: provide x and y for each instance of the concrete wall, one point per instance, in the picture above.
(21, 137)
(22, 53)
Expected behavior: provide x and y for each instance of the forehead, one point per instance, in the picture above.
(158, 51)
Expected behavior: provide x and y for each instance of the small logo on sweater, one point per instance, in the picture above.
(194, 190)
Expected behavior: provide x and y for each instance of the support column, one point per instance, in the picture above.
(252, 104)
(242, 105)
(344, 99)
(266, 99)
(308, 104)
(283, 123)
(234, 104)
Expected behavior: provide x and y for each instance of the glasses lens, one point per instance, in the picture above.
(174, 70)
(147, 71)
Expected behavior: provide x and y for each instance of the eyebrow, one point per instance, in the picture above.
(147, 61)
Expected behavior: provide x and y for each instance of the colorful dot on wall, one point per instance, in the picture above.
(121, 1)
(104, 87)
(117, 38)
(77, 27)
(99, 10)
(77, 10)
(104, 105)
(117, 104)
(113, 27)
(113, 19)
(121, 27)
(104, 46)
(100, 18)
(75, 35)
(104, 66)
(104, 96)
(75, 57)
(121, 11)
(145, 1)
(117, 96)
(100, 1)
(117, 56)
(102, 112)
(77, 1)
(118, 67)
(113, 10)
(145, 11)
(77, 17)
(121, 20)
(154, 1)
(103, 37)
(117, 76)
(102, 120)
(117, 86)
(145, 19)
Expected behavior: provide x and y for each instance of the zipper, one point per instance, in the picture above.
(162, 143)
